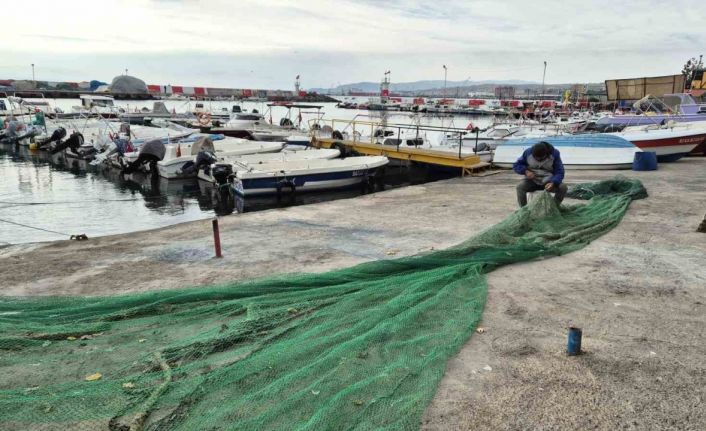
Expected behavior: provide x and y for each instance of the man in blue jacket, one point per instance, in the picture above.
(543, 170)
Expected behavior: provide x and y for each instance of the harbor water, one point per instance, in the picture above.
(44, 198)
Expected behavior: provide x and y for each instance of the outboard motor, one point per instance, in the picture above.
(203, 159)
(56, 136)
(74, 142)
(222, 173)
(150, 153)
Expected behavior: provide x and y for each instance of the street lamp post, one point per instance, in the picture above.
(544, 74)
(34, 81)
(445, 70)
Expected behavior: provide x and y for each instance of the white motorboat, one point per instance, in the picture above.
(590, 151)
(670, 144)
(298, 139)
(496, 134)
(178, 154)
(92, 104)
(252, 160)
(303, 175)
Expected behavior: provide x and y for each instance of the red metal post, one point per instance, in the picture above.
(216, 237)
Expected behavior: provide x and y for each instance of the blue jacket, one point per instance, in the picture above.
(521, 165)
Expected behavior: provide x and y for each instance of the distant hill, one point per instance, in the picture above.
(372, 87)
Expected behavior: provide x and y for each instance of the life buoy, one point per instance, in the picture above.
(204, 118)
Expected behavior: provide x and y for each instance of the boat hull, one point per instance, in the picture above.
(669, 146)
(172, 167)
(302, 183)
(246, 161)
(306, 175)
(598, 151)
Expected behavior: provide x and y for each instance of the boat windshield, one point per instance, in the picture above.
(102, 103)
(253, 117)
(498, 133)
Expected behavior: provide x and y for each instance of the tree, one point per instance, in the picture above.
(690, 68)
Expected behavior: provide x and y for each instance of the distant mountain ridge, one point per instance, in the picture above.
(372, 87)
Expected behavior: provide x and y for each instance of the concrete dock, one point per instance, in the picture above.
(638, 293)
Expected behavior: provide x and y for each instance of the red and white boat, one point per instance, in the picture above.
(670, 144)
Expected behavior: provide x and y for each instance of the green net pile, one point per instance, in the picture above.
(359, 348)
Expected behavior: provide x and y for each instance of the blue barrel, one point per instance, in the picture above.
(645, 161)
(573, 346)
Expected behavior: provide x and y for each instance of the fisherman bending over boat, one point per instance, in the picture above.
(543, 169)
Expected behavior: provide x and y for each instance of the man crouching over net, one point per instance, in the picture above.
(543, 169)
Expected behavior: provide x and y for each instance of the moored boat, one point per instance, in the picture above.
(679, 107)
(669, 144)
(249, 160)
(593, 151)
(305, 175)
(179, 154)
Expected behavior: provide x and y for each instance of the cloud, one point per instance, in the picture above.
(219, 43)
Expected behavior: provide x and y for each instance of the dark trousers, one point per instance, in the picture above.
(528, 186)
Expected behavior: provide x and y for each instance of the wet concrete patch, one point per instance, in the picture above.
(183, 254)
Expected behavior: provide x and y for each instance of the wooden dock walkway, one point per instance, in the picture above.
(468, 164)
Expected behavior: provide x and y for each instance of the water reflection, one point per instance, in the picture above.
(69, 195)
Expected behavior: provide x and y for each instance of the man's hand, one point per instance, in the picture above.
(549, 187)
(529, 174)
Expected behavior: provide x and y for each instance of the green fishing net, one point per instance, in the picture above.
(360, 348)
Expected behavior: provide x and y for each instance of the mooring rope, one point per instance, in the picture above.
(34, 227)
(9, 203)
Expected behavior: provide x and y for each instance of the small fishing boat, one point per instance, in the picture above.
(302, 175)
(179, 154)
(250, 160)
(92, 104)
(158, 112)
(239, 125)
(670, 144)
(592, 151)
(298, 139)
(679, 107)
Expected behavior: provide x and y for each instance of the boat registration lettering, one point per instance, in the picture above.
(359, 173)
(690, 140)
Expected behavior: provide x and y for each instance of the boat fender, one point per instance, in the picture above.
(341, 149)
(286, 183)
(367, 184)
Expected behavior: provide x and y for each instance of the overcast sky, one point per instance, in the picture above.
(266, 43)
